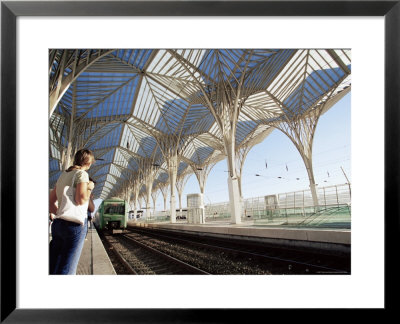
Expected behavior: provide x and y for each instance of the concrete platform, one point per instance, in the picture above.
(94, 259)
(335, 241)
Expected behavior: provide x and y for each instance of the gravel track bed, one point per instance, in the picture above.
(207, 258)
(134, 256)
(118, 267)
(278, 261)
(141, 260)
(112, 246)
(214, 262)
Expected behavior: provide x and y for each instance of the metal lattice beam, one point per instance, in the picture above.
(144, 112)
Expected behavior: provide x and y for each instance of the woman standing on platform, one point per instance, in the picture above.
(91, 207)
(68, 230)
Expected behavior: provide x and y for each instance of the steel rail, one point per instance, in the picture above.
(120, 258)
(166, 256)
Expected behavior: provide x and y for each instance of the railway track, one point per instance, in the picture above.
(144, 251)
(134, 257)
(242, 257)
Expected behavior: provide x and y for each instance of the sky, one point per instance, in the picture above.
(331, 154)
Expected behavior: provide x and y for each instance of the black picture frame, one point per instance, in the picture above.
(10, 10)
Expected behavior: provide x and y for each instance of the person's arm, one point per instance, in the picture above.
(83, 192)
(91, 204)
(53, 202)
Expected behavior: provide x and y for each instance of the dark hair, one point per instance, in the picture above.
(82, 157)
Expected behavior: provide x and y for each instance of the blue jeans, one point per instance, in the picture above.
(66, 246)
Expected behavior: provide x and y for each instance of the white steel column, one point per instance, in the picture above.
(172, 171)
(301, 133)
(135, 201)
(164, 192)
(310, 172)
(234, 200)
(233, 182)
(68, 155)
(180, 202)
(202, 173)
(149, 185)
(154, 195)
(180, 186)
(136, 184)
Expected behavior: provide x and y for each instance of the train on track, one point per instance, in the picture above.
(112, 215)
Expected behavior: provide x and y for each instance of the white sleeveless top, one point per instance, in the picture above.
(71, 212)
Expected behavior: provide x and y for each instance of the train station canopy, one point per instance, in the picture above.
(137, 109)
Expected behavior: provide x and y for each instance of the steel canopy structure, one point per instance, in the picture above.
(153, 117)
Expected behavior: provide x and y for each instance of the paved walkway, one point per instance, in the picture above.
(94, 258)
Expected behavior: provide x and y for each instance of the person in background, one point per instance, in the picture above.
(68, 234)
(51, 218)
(90, 208)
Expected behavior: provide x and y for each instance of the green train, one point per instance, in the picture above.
(112, 214)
